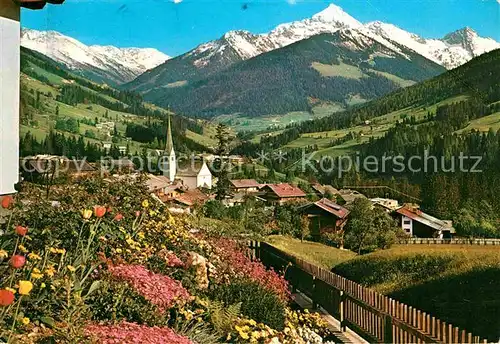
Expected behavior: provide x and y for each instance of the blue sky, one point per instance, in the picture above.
(175, 28)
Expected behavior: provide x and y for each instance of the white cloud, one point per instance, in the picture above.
(293, 2)
(179, 1)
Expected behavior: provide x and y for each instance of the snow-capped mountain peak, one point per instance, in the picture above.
(451, 51)
(335, 14)
(119, 64)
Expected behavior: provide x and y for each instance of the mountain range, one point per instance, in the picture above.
(201, 76)
(103, 64)
(330, 57)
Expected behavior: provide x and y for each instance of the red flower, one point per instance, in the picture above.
(17, 261)
(99, 211)
(109, 210)
(21, 231)
(7, 201)
(118, 217)
(6, 297)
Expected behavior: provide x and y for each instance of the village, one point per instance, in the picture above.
(185, 185)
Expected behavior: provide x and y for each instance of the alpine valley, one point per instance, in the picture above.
(331, 59)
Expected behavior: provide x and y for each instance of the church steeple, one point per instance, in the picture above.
(170, 142)
(169, 159)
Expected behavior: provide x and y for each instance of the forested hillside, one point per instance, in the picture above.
(66, 114)
(479, 78)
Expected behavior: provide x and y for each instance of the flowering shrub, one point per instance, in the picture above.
(233, 260)
(125, 333)
(160, 290)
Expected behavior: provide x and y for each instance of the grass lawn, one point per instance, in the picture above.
(457, 284)
(484, 123)
(313, 252)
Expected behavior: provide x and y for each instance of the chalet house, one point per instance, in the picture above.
(325, 216)
(418, 224)
(10, 62)
(282, 193)
(245, 185)
(194, 174)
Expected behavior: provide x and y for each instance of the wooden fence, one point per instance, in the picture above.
(455, 241)
(373, 316)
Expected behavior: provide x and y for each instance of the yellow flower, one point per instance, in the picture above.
(22, 248)
(13, 291)
(3, 254)
(61, 250)
(71, 268)
(36, 274)
(43, 285)
(25, 321)
(34, 256)
(244, 335)
(86, 214)
(145, 203)
(25, 287)
(50, 271)
(119, 250)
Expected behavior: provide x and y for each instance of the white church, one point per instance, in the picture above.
(193, 173)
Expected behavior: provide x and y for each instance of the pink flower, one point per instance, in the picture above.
(131, 333)
(118, 217)
(234, 260)
(158, 289)
(173, 260)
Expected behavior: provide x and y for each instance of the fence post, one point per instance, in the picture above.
(314, 303)
(342, 311)
(388, 329)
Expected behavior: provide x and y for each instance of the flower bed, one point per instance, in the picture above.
(118, 268)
